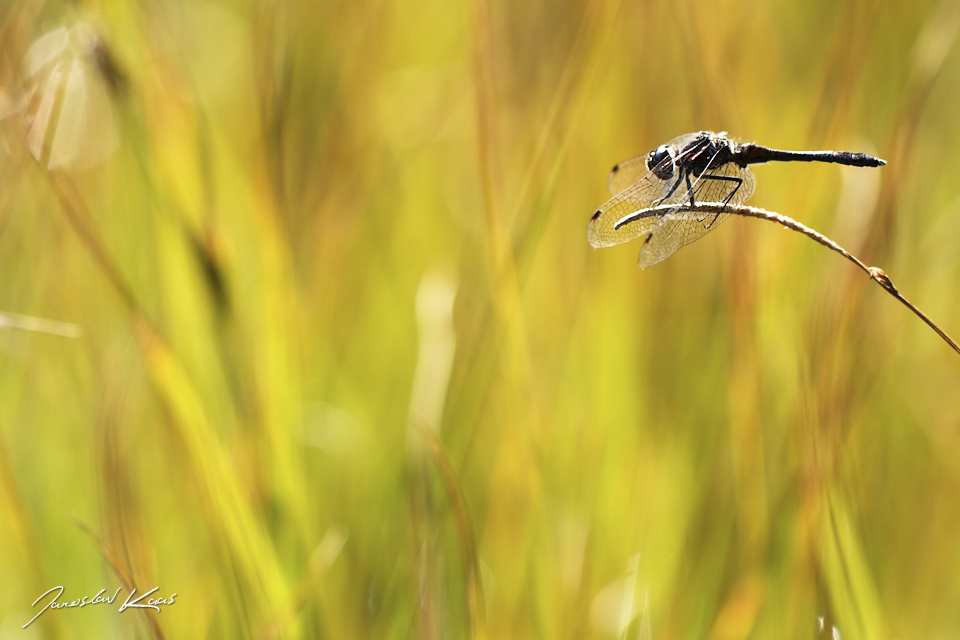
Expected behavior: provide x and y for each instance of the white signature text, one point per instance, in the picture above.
(132, 602)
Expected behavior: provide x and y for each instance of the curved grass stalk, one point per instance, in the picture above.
(876, 274)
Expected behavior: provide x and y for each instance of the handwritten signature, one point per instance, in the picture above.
(152, 603)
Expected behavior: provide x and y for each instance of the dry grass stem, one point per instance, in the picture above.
(876, 274)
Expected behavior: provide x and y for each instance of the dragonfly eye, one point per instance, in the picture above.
(660, 162)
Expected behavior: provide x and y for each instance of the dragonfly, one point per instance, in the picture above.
(653, 194)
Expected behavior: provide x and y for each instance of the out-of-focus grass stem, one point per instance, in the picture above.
(117, 565)
(249, 545)
(461, 517)
(503, 269)
(589, 55)
(21, 521)
(933, 43)
(80, 219)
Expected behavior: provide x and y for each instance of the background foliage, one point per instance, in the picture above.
(348, 367)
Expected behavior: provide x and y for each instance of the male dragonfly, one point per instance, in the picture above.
(651, 193)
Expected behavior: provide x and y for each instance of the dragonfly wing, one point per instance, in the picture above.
(606, 226)
(602, 231)
(626, 173)
(678, 229)
(683, 226)
(624, 218)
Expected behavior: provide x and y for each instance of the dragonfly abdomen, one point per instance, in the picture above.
(754, 154)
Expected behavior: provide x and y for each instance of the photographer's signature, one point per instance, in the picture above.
(132, 602)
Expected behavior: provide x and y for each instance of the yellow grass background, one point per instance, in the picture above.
(349, 369)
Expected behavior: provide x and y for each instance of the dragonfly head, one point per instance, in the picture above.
(660, 161)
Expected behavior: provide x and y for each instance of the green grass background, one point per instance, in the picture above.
(349, 368)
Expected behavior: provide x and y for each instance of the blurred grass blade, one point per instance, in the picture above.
(626, 608)
(435, 297)
(40, 325)
(248, 544)
(852, 590)
(461, 517)
(120, 571)
(323, 556)
(26, 539)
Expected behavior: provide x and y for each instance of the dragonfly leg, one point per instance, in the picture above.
(672, 189)
(730, 195)
(690, 189)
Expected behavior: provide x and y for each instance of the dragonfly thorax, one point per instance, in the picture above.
(708, 151)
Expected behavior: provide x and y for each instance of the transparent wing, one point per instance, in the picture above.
(604, 231)
(607, 227)
(681, 226)
(676, 230)
(626, 173)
